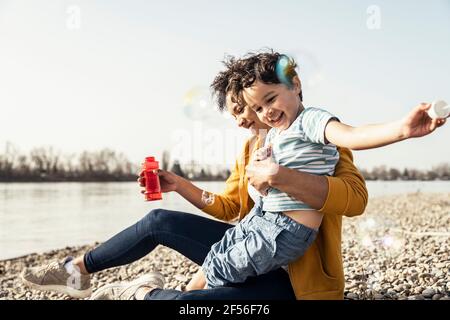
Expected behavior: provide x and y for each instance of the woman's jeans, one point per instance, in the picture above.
(192, 236)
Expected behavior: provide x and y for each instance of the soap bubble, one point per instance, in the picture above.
(392, 245)
(367, 224)
(388, 241)
(282, 70)
(199, 105)
(308, 67)
(366, 241)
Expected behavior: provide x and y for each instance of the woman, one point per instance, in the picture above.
(318, 275)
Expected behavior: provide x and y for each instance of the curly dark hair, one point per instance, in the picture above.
(221, 84)
(242, 73)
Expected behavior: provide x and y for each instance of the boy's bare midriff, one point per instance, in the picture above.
(309, 218)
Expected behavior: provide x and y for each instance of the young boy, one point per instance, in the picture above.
(280, 228)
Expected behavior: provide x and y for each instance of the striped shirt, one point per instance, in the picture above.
(301, 147)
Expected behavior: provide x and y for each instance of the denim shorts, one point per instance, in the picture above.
(261, 242)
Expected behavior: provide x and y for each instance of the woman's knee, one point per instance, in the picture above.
(154, 219)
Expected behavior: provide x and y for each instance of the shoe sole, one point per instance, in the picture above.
(142, 279)
(74, 293)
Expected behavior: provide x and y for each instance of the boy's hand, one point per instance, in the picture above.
(167, 180)
(262, 153)
(261, 169)
(418, 123)
(197, 282)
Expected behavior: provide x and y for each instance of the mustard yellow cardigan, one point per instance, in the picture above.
(319, 273)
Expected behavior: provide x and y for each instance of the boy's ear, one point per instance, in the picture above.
(297, 84)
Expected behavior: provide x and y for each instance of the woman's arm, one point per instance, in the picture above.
(416, 124)
(169, 181)
(308, 188)
(347, 191)
(190, 192)
(225, 206)
(344, 194)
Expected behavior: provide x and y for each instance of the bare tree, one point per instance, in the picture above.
(165, 161)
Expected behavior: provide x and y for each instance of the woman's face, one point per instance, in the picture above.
(245, 116)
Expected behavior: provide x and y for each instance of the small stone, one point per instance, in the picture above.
(416, 297)
(428, 293)
(437, 296)
(418, 290)
(392, 291)
(181, 278)
(445, 298)
(179, 287)
(193, 269)
(378, 296)
(439, 273)
(352, 296)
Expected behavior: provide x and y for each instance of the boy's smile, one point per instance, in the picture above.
(275, 104)
(276, 119)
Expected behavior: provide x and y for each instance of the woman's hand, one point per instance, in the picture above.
(261, 170)
(418, 123)
(167, 180)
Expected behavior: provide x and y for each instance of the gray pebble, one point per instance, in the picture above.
(416, 297)
(352, 296)
(428, 293)
(437, 296)
(392, 292)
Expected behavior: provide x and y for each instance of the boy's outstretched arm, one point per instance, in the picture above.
(416, 124)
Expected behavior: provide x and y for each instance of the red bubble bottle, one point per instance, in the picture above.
(152, 186)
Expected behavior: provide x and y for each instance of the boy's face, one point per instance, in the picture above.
(245, 117)
(275, 104)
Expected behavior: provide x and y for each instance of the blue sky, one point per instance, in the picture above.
(133, 75)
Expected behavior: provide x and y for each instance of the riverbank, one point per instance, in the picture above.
(399, 249)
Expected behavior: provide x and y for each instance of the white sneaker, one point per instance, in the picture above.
(127, 290)
(54, 277)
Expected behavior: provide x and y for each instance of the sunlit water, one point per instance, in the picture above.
(36, 217)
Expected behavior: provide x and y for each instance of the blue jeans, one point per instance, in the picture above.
(261, 242)
(192, 236)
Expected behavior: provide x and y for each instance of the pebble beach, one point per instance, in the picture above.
(399, 249)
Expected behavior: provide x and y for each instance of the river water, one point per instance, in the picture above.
(36, 217)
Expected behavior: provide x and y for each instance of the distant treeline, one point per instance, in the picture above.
(47, 164)
(438, 172)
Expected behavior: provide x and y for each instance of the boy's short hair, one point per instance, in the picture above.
(242, 73)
